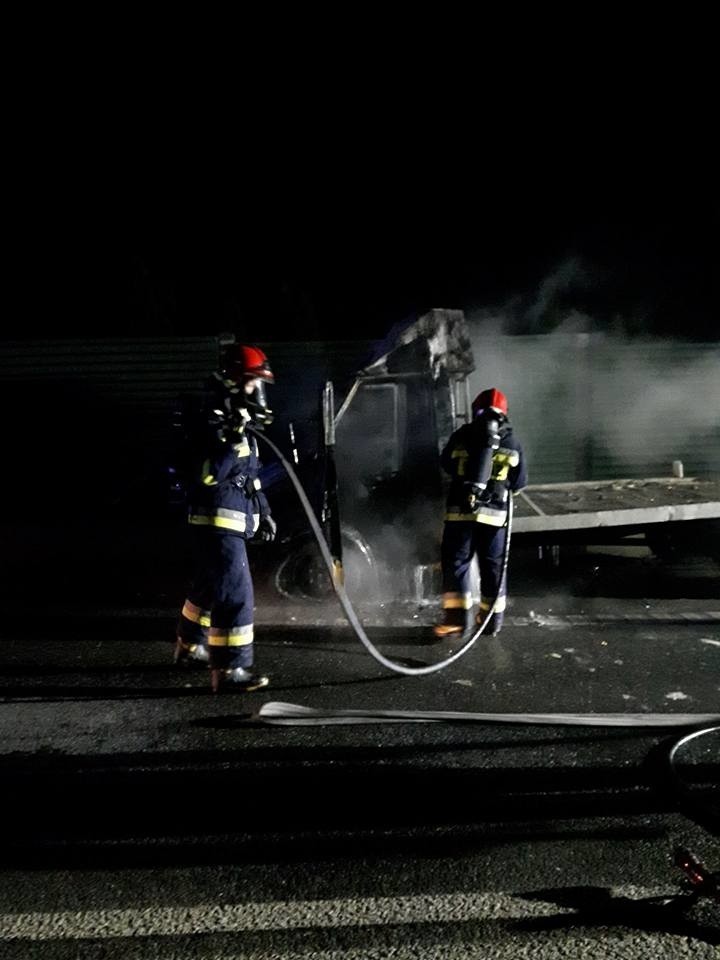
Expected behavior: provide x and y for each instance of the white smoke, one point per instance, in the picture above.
(571, 274)
(588, 404)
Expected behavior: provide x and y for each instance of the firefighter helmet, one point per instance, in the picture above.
(250, 367)
(491, 399)
(243, 362)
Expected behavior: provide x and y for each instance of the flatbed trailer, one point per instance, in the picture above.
(666, 510)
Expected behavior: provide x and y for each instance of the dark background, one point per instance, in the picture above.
(311, 177)
(340, 237)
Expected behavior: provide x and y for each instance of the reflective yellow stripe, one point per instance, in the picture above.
(508, 456)
(238, 523)
(457, 601)
(461, 455)
(493, 519)
(503, 459)
(242, 449)
(241, 639)
(256, 483)
(207, 477)
(234, 637)
(194, 613)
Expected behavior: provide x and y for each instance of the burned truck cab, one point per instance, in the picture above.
(392, 418)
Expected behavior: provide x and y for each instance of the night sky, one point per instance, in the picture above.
(311, 250)
(281, 185)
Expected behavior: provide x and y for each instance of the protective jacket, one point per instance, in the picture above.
(461, 457)
(227, 496)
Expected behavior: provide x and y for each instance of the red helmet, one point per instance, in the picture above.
(241, 361)
(490, 399)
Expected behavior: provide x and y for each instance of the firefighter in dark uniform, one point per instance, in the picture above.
(486, 464)
(227, 507)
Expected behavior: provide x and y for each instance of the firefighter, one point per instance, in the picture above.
(485, 463)
(226, 508)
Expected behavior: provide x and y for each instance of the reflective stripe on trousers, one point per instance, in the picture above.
(460, 543)
(218, 611)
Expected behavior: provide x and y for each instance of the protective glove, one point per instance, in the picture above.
(267, 528)
(474, 494)
(229, 422)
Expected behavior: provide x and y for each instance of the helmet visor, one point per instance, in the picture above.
(257, 405)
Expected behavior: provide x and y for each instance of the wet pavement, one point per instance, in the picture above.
(176, 823)
(602, 633)
(88, 689)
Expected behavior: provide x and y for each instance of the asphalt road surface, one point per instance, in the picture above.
(145, 817)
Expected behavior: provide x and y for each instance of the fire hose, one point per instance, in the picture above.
(345, 600)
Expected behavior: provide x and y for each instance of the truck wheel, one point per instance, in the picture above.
(302, 574)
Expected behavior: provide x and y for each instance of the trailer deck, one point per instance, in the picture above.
(614, 503)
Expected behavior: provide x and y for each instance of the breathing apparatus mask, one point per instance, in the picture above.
(489, 424)
(256, 402)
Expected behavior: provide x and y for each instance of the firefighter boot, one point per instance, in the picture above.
(455, 623)
(190, 654)
(238, 678)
